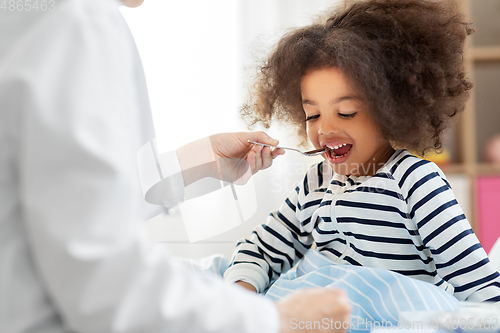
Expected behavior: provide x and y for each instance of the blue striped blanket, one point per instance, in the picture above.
(377, 296)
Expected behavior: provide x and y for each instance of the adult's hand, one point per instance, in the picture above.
(329, 307)
(237, 159)
(227, 156)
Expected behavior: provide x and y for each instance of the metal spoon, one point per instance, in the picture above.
(306, 153)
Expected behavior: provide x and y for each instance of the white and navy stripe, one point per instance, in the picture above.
(405, 219)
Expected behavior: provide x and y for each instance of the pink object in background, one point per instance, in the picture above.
(488, 196)
(492, 149)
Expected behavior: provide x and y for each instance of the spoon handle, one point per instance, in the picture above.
(306, 153)
(265, 144)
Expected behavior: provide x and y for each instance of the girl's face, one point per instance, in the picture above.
(337, 117)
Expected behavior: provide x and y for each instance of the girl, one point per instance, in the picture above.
(379, 77)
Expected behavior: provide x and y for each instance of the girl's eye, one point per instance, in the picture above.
(312, 117)
(347, 115)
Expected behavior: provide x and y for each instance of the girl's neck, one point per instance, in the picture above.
(378, 161)
(384, 157)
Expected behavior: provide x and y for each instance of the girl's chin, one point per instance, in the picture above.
(340, 168)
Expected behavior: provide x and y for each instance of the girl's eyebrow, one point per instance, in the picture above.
(335, 101)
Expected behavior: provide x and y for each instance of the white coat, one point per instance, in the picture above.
(73, 252)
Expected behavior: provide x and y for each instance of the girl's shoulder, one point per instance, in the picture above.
(409, 170)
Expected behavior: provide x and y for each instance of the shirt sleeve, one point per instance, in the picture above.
(81, 194)
(459, 258)
(276, 246)
(160, 176)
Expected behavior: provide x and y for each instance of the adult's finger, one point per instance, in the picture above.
(256, 164)
(277, 152)
(267, 158)
(261, 137)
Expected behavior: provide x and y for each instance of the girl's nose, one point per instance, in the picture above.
(328, 126)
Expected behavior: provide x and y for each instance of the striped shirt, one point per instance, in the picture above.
(405, 219)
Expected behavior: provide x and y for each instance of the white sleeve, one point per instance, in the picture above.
(160, 176)
(82, 197)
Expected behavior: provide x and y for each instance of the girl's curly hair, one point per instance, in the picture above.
(404, 56)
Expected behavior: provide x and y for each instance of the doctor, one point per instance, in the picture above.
(73, 250)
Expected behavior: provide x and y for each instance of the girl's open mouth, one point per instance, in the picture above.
(338, 154)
